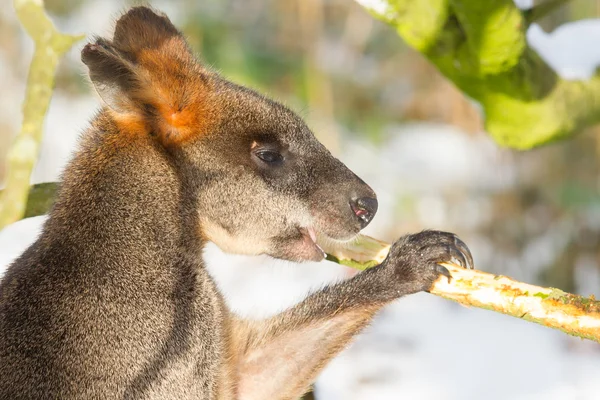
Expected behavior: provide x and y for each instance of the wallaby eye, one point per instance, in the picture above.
(269, 156)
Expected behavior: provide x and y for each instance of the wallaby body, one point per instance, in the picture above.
(113, 299)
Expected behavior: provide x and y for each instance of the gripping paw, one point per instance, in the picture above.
(413, 261)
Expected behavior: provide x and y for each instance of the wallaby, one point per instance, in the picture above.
(113, 299)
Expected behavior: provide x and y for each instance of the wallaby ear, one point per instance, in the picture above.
(113, 76)
(149, 79)
(141, 28)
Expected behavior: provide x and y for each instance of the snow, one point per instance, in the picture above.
(571, 49)
(420, 347)
(15, 238)
(524, 4)
(380, 7)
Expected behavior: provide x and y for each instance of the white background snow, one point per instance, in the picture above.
(421, 347)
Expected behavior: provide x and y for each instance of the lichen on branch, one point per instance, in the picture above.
(50, 45)
(481, 47)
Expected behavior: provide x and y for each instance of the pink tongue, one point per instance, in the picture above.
(312, 234)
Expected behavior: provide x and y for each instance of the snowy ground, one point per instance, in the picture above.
(421, 347)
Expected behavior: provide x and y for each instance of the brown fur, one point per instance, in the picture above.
(113, 300)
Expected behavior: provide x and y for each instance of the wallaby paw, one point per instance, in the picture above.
(412, 264)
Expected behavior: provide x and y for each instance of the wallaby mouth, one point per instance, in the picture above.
(309, 237)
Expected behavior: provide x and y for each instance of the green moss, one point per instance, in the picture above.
(420, 23)
(40, 199)
(583, 304)
(481, 47)
(494, 32)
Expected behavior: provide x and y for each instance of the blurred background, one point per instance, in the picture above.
(418, 141)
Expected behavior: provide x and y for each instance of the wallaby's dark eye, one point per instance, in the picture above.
(269, 156)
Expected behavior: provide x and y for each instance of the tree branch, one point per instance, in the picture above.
(50, 45)
(480, 46)
(541, 10)
(575, 315)
(40, 199)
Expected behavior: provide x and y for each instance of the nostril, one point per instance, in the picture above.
(368, 204)
(364, 208)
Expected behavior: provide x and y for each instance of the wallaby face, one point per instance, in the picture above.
(268, 185)
(289, 187)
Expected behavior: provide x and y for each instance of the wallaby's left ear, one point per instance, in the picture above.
(142, 28)
(149, 79)
(113, 76)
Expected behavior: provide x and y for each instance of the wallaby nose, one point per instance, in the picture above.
(364, 208)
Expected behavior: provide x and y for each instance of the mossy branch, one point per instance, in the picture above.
(50, 45)
(481, 47)
(575, 315)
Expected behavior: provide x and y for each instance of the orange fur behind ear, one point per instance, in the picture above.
(177, 104)
(151, 81)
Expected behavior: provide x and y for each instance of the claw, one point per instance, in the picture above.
(456, 256)
(440, 269)
(466, 253)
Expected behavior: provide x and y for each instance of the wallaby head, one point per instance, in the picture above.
(263, 183)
